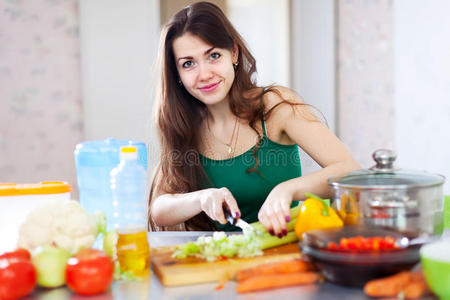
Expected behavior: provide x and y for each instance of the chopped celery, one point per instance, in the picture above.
(247, 244)
(185, 250)
(221, 245)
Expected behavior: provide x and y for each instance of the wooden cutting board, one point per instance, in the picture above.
(191, 270)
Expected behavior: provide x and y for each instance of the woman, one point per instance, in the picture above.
(227, 144)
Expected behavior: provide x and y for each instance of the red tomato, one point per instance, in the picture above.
(18, 253)
(90, 272)
(17, 277)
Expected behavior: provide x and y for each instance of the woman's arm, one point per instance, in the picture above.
(173, 209)
(299, 125)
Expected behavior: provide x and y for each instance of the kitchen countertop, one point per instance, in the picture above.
(151, 288)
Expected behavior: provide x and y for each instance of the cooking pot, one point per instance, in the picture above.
(389, 197)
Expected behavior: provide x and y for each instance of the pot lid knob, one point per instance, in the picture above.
(384, 159)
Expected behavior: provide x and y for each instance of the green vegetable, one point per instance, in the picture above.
(289, 226)
(110, 239)
(220, 245)
(120, 274)
(50, 263)
(100, 220)
(188, 249)
(247, 244)
(110, 242)
(269, 241)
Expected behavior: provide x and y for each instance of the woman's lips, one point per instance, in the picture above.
(210, 87)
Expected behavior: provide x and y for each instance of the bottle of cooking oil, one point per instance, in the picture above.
(129, 191)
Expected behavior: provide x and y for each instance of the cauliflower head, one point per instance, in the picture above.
(61, 223)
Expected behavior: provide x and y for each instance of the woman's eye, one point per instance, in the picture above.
(214, 56)
(187, 64)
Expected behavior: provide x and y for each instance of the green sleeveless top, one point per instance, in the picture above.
(277, 163)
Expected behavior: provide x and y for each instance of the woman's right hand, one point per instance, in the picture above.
(213, 201)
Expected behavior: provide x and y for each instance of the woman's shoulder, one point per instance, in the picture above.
(273, 94)
(280, 97)
(285, 106)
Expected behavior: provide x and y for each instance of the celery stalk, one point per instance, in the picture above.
(290, 225)
(271, 241)
(294, 212)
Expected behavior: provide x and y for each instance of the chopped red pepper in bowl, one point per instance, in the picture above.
(353, 255)
(360, 243)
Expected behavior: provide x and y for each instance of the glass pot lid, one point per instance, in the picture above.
(384, 175)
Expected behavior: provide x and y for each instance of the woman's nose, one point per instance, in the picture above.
(205, 71)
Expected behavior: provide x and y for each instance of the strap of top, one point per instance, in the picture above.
(263, 122)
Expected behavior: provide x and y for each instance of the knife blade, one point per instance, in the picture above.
(238, 222)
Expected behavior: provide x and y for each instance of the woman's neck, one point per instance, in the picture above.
(220, 112)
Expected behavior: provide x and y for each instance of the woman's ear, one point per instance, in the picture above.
(235, 53)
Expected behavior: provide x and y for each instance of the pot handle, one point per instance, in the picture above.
(384, 159)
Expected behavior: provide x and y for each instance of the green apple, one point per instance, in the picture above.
(50, 263)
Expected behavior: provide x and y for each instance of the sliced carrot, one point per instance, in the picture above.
(220, 285)
(388, 286)
(264, 282)
(281, 267)
(222, 282)
(225, 278)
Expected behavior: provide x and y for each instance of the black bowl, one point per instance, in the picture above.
(353, 268)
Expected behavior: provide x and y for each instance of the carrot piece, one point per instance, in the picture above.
(417, 287)
(388, 286)
(264, 282)
(412, 285)
(281, 267)
(220, 285)
(225, 278)
(417, 276)
(415, 290)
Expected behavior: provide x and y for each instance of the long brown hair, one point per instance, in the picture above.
(179, 114)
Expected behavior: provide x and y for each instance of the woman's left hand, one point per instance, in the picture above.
(275, 211)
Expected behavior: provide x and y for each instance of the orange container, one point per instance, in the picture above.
(17, 200)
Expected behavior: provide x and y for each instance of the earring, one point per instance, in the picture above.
(236, 64)
(179, 82)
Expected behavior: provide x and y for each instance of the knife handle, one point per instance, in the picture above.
(228, 216)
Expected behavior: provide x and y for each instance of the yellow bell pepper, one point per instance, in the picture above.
(315, 213)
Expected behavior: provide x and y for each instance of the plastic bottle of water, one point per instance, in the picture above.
(94, 161)
(129, 192)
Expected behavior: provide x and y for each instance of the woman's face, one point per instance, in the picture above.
(206, 72)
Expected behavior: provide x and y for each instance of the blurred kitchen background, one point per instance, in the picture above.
(72, 71)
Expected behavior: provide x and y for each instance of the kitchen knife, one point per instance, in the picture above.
(240, 223)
